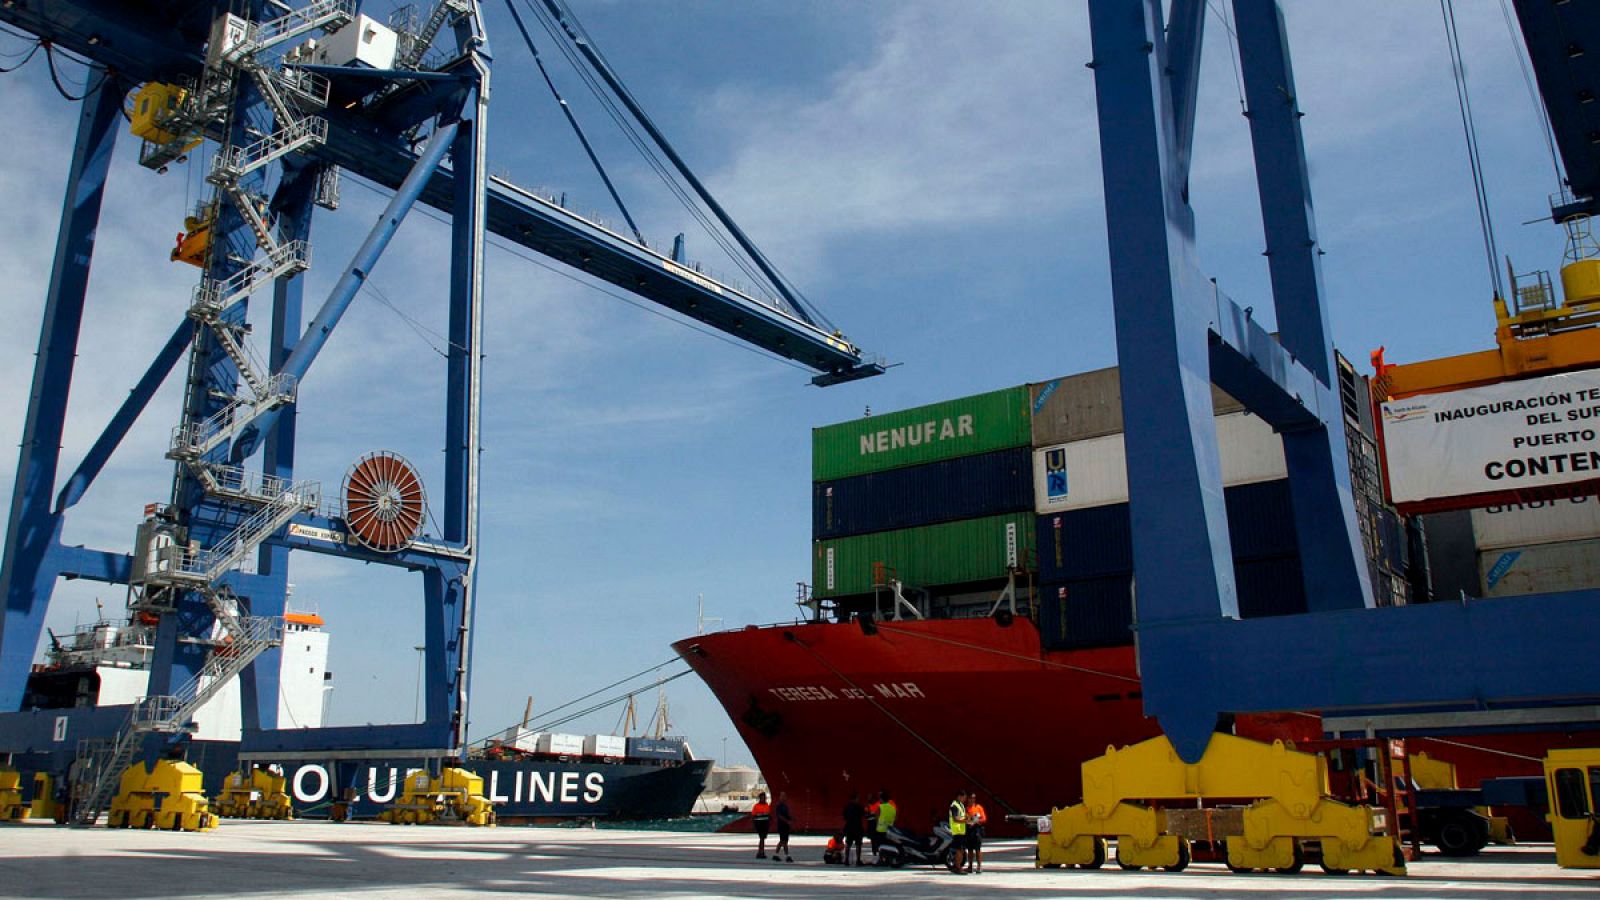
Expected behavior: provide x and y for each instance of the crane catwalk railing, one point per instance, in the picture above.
(103, 763)
(442, 11)
(239, 483)
(195, 439)
(211, 298)
(207, 565)
(241, 161)
(327, 15)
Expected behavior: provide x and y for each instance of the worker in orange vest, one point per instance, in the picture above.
(761, 818)
(976, 819)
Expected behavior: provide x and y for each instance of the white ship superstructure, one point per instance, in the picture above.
(112, 662)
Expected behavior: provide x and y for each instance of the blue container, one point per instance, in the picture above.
(1098, 542)
(967, 487)
(1392, 550)
(1088, 612)
(1261, 519)
(1269, 587)
(1085, 543)
(665, 749)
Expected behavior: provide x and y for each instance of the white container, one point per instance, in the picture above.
(363, 42)
(524, 739)
(1094, 472)
(556, 744)
(1538, 522)
(606, 746)
(1540, 569)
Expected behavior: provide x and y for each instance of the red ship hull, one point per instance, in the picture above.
(929, 707)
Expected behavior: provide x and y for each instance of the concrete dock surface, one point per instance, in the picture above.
(314, 859)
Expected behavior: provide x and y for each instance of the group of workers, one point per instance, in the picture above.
(966, 821)
(762, 815)
(967, 818)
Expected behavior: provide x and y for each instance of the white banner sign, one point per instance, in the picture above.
(1539, 432)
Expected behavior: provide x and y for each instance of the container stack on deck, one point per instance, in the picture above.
(1541, 546)
(949, 497)
(939, 496)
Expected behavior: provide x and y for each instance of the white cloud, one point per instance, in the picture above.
(957, 117)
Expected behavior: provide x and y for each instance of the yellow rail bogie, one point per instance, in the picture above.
(454, 794)
(12, 808)
(169, 795)
(1286, 792)
(43, 805)
(254, 794)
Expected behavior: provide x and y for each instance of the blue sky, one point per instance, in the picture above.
(926, 171)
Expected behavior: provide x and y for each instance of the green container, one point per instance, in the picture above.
(952, 553)
(994, 421)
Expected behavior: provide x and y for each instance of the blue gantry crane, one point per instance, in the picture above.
(288, 111)
(1503, 663)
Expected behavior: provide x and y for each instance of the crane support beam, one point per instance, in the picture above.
(1176, 335)
(1184, 36)
(1181, 549)
(126, 415)
(26, 579)
(1250, 364)
(1317, 457)
(122, 35)
(1565, 53)
(1366, 660)
(355, 276)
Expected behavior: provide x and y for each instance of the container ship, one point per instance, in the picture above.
(973, 609)
(529, 776)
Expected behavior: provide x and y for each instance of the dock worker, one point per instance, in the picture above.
(785, 822)
(761, 818)
(958, 831)
(887, 813)
(855, 816)
(977, 818)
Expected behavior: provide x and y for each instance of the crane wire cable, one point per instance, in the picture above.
(1519, 50)
(573, 121)
(594, 693)
(5, 70)
(1233, 50)
(546, 724)
(55, 76)
(640, 144)
(615, 113)
(784, 286)
(625, 122)
(1470, 130)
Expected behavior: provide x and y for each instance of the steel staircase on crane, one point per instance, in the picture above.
(244, 637)
(418, 46)
(104, 762)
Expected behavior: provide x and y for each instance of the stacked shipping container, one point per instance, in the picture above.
(951, 497)
(939, 497)
(1537, 547)
(1085, 538)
